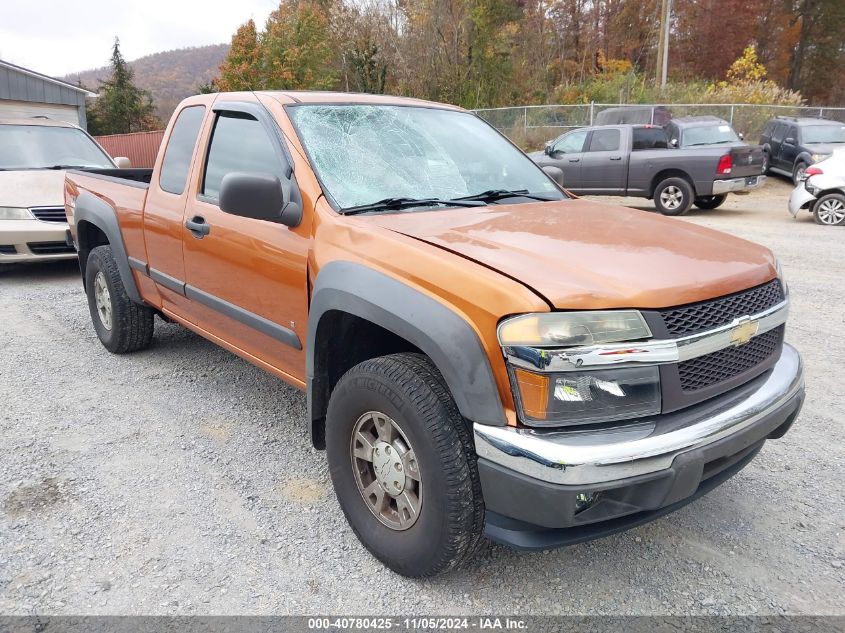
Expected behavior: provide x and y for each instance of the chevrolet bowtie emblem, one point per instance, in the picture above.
(744, 332)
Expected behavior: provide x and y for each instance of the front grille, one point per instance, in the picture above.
(727, 363)
(8, 249)
(50, 248)
(707, 315)
(50, 214)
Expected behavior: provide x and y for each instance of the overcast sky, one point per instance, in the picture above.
(56, 37)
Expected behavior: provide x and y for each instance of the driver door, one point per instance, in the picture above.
(246, 277)
(567, 154)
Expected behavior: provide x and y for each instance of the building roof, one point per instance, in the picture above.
(44, 78)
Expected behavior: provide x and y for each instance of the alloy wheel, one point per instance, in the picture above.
(386, 470)
(831, 211)
(102, 297)
(671, 197)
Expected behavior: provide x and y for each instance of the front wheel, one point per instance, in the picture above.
(830, 210)
(710, 202)
(798, 173)
(403, 465)
(673, 196)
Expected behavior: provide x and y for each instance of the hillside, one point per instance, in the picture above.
(169, 76)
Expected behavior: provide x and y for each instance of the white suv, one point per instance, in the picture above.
(33, 156)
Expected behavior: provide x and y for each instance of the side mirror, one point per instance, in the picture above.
(122, 162)
(259, 196)
(741, 136)
(547, 150)
(673, 142)
(555, 173)
(789, 140)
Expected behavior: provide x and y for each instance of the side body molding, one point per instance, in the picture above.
(440, 333)
(91, 209)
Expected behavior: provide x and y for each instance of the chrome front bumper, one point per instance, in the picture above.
(578, 457)
(735, 185)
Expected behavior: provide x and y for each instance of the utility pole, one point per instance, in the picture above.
(662, 67)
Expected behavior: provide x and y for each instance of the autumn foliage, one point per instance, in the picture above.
(487, 53)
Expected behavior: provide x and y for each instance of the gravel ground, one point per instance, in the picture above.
(180, 480)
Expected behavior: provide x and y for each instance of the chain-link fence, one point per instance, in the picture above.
(531, 126)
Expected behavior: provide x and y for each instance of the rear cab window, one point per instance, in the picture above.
(649, 138)
(180, 149)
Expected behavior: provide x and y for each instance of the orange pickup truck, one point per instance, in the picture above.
(483, 353)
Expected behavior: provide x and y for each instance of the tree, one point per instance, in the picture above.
(121, 107)
(296, 53)
(241, 70)
(367, 72)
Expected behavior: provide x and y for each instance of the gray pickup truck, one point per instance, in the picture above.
(641, 161)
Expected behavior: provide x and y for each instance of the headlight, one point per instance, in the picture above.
(577, 397)
(15, 213)
(563, 329)
(587, 397)
(817, 158)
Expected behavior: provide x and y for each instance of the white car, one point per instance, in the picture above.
(33, 156)
(822, 191)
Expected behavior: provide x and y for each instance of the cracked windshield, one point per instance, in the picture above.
(364, 154)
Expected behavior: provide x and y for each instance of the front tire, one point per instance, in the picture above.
(403, 465)
(829, 210)
(798, 172)
(710, 202)
(121, 324)
(673, 196)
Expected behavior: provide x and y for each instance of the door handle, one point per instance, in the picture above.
(615, 158)
(574, 160)
(198, 227)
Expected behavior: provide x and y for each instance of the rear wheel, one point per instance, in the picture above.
(403, 465)
(830, 210)
(710, 202)
(121, 324)
(798, 172)
(673, 196)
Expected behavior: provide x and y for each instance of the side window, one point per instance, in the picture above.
(777, 135)
(649, 138)
(793, 134)
(238, 143)
(604, 141)
(180, 149)
(572, 143)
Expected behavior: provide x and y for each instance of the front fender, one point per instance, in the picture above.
(444, 336)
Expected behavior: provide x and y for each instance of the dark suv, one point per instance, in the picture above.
(791, 144)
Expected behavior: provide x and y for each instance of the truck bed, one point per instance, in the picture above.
(125, 190)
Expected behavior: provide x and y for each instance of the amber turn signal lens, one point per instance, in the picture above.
(533, 392)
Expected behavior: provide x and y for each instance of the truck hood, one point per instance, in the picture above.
(578, 254)
(32, 188)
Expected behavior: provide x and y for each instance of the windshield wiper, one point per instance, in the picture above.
(491, 195)
(394, 204)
